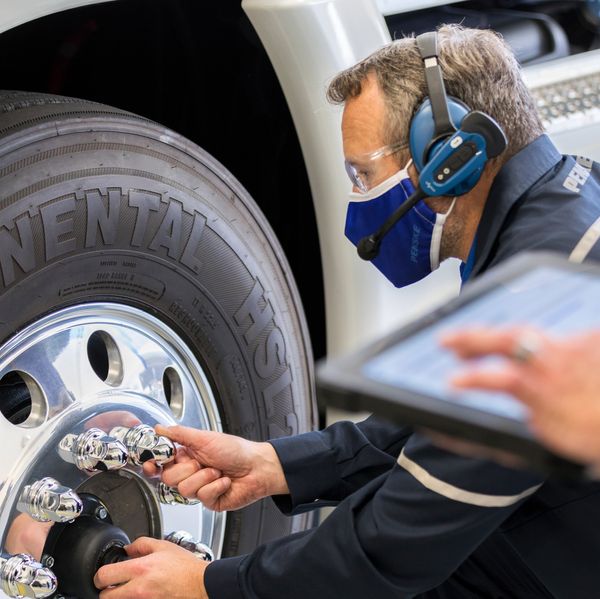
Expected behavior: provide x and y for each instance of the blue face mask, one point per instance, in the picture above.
(411, 250)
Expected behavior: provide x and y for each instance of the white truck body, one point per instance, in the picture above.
(309, 41)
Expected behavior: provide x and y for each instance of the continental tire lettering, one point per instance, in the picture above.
(271, 355)
(106, 219)
(57, 227)
(189, 258)
(21, 251)
(256, 310)
(169, 231)
(112, 217)
(277, 387)
(291, 422)
(145, 202)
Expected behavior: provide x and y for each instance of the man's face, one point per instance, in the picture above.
(363, 125)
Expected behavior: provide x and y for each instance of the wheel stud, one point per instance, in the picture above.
(46, 500)
(22, 576)
(184, 539)
(93, 451)
(171, 496)
(101, 513)
(144, 444)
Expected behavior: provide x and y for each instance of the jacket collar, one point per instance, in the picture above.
(514, 179)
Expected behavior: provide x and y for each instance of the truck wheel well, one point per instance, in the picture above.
(200, 69)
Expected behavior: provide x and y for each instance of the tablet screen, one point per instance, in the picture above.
(560, 302)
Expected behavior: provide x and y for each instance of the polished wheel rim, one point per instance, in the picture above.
(101, 365)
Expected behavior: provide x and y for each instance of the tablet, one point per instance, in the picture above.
(405, 375)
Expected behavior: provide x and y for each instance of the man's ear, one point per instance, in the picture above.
(482, 189)
(412, 173)
(492, 168)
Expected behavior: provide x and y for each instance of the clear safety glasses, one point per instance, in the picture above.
(361, 169)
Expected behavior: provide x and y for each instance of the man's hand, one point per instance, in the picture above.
(223, 471)
(158, 569)
(26, 535)
(560, 382)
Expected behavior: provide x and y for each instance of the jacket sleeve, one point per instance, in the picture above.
(403, 533)
(324, 467)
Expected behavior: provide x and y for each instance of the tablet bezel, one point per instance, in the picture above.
(341, 384)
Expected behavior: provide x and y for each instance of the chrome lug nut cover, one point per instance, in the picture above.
(93, 451)
(22, 576)
(184, 539)
(171, 496)
(46, 500)
(144, 444)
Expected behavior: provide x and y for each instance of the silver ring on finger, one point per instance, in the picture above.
(526, 347)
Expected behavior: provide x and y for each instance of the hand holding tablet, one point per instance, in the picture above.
(407, 376)
(559, 382)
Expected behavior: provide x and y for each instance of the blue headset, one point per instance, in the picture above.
(449, 143)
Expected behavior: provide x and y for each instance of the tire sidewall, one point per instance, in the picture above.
(121, 210)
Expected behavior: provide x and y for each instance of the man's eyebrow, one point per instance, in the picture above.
(359, 163)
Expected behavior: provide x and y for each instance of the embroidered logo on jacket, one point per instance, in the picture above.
(579, 174)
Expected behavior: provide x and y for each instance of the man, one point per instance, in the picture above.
(411, 519)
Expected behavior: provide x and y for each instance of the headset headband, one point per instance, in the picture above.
(427, 44)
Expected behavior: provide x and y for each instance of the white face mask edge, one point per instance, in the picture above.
(436, 237)
(384, 186)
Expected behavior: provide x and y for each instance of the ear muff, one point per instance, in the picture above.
(449, 143)
(423, 145)
(489, 129)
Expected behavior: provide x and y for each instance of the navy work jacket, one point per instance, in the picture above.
(415, 520)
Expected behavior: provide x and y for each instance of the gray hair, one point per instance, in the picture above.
(478, 68)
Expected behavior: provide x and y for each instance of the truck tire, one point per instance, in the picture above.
(102, 206)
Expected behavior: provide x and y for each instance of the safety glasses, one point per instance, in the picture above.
(361, 169)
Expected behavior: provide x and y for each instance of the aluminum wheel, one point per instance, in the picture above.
(102, 365)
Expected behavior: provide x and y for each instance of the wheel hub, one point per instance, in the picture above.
(78, 549)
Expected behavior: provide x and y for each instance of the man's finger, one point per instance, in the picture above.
(190, 486)
(182, 456)
(143, 546)
(113, 574)
(478, 342)
(121, 592)
(173, 474)
(186, 436)
(508, 380)
(150, 468)
(210, 494)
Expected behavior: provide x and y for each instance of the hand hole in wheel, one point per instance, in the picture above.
(173, 391)
(22, 401)
(105, 358)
